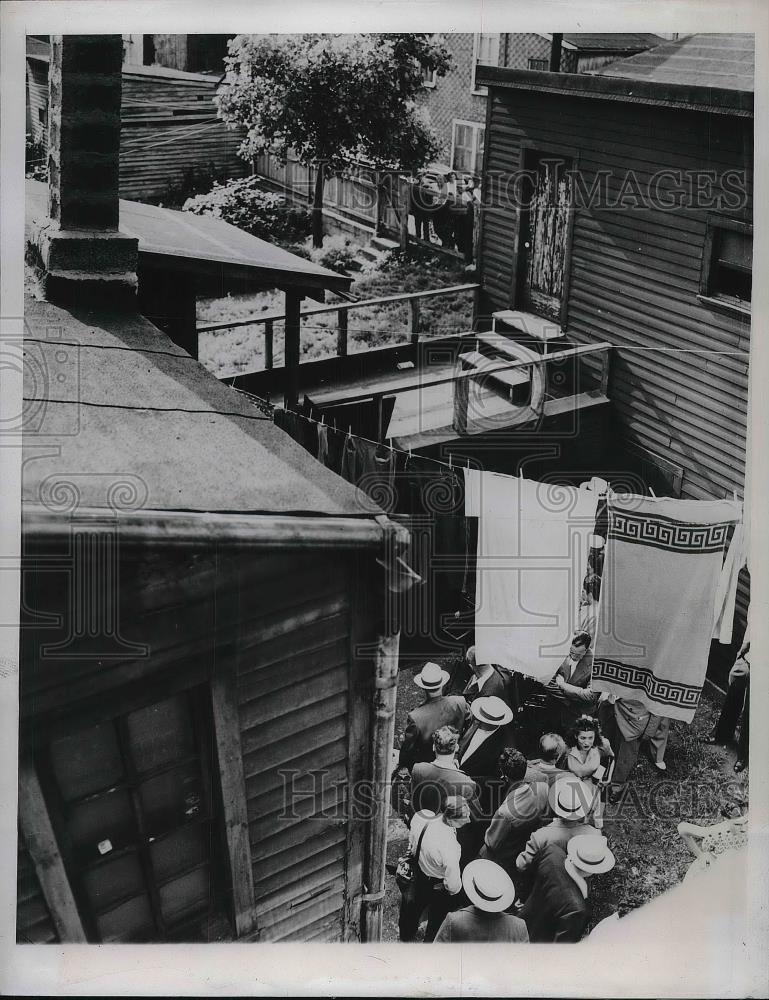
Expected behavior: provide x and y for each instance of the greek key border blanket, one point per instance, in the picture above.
(663, 560)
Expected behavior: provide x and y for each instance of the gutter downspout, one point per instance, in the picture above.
(382, 735)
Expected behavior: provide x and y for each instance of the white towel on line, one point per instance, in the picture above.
(533, 542)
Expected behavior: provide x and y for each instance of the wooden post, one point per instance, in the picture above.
(341, 335)
(414, 309)
(44, 851)
(292, 348)
(268, 344)
(604, 385)
(555, 53)
(230, 763)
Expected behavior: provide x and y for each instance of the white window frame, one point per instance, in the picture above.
(477, 127)
(429, 78)
(482, 91)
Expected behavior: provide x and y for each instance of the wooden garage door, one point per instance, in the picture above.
(293, 691)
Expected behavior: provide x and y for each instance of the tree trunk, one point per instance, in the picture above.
(317, 206)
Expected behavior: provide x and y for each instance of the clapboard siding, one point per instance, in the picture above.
(33, 919)
(679, 375)
(294, 697)
(169, 127)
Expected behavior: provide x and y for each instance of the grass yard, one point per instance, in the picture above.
(228, 352)
(641, 828)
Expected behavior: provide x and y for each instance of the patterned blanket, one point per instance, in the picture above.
(662, 565)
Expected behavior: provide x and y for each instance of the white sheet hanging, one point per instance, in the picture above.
(533, 541)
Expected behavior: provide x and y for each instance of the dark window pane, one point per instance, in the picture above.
(160, 733)
(107, 821)
(87, 761)
(736, 249)
(131, 921)
(172, 799)
(186, 895)
(186, 847)
(107, 883)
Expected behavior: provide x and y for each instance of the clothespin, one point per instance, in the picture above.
(349, 431)
(468, 462)
(409, 451)
(449, 459)
(652, 493)
(520, 473)
(322, 417)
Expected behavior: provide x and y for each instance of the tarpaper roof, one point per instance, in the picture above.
(206, 245)
(704, 60)
(110, 399)
(612, 41)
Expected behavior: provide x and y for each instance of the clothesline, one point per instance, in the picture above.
(263, 404)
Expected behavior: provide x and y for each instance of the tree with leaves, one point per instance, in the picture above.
(332, 99)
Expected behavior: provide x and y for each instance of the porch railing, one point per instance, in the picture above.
(342, 309)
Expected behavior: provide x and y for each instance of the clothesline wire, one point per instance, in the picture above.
(263, 403)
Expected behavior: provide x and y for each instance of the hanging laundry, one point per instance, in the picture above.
(661, 571)
(376, 474)
(726, 592)
(533, 543)
(323, 452)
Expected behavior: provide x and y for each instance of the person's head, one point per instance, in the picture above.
(570, 798)
(456, 811)
(445, 741)
(511, 765)
(590, 854)
(491, 712)
(470, 657)
(585, 733)
(488, 886)
(432, 678)
(551, 747)
(580, 644)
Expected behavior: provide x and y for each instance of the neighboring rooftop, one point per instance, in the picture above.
(204, 246)
(109, 398)
(725, 61)
(613, 41)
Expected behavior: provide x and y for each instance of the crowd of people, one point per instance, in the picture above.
(443, 210)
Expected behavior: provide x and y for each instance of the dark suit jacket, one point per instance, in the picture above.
(431, 785)
(482, 765)
(494, 685)
(450, 710)
(556, 910)
(572, 705)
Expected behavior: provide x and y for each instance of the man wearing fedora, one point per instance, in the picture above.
(437, 710)
(437, 883)
(433, 783)
(491, 892)
(558, 908)
(571, 799)
(482, 743)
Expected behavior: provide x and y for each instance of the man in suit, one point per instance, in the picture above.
(433, 783)
(438, 710)
(523, 811)
(490, 892)
(571, 800)
(479, 750)
(487, 680)
(569, 690)
(558, 909)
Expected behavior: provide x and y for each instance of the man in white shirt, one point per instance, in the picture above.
(436, 887)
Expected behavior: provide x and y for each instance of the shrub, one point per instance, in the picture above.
(194, 181)
(262, 213)
(337, 254)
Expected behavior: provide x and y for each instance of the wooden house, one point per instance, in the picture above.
(208, 660)
(170, 134)
(618, 207)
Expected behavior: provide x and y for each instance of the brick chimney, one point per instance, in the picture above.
(81, 256)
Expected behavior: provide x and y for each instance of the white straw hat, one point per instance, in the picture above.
(590, 853)
(488, 886)
(571, 798)
(491, 711)
(432, 677)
